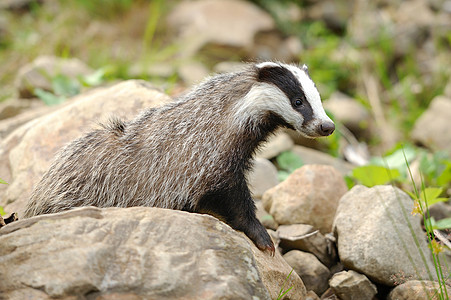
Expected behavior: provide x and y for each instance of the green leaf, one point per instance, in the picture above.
(93, 79)
(431, 195)
(65, 86)
(396, 160)
(430, 224)
(2, 181)
(375, 175)
(48, 98)
(282, 175)
(2, 212)
(444, 178)
(289, 161)
(443, 224)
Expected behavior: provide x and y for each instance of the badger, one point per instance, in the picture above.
(192, 154)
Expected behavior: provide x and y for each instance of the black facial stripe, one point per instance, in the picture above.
(290, 86)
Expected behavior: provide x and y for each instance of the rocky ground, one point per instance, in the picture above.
(342, 243)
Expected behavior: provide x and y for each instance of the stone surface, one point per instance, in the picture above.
(262, 177)
(135, 253)
(275, 145)
(29, 150)
(13, 107)
(349, 112)
(128, 247)
(38, 74)
(373, 237)
(8, 125)
(306, 238)
(220, 23)
(417, 290)
(312, 272)
(350, 285)
(308, 196)
(310, 156)
(431, 129)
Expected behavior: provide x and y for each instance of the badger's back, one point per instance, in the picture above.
(167, 157)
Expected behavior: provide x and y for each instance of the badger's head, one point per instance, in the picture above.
(288, 92)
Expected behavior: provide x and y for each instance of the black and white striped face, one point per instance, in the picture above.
(287, 91)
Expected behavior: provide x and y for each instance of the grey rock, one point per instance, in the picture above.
(29, 150)
(13, 107)
(349, 112)
(314, 157)
(373, 237)
(19, 5)
(350, 285)
(262, 177)
(335, 14)
(417, 290)
(431, 128)
(440, 211)
(8, 125)
(306, 238)
(311, 295)
(309, 195)
(271, 45)
(219, 23)
(312, 272)
(135, 253)
(38, 74)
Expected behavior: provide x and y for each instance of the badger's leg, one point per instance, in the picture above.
(236, 207)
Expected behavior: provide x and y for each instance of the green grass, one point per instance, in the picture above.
(283, 292)
(423, 198)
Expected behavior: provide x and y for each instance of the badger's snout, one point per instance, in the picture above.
(326, 128)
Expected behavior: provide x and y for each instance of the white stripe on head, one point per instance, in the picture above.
(310, 91)
(262, 98)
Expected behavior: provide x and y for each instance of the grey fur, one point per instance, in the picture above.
(189, 155)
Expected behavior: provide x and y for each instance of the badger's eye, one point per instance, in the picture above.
(298, 102)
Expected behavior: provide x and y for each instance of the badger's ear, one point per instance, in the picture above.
(305, 69)
(267, 64)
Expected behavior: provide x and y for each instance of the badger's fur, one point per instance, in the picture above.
(189, 155)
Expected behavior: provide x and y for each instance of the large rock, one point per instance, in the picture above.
(312, 272)
(350, 285)
(349, 112)
(218, 23)
(306, 238)
(373, 236)
(39, 73)
(311, 156)
(29, 150)
(432, 128)
(309, 195)
(135, 253)
(418, 290)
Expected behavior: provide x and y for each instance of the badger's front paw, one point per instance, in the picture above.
(258, 234)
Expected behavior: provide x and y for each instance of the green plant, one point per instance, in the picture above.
(2, 212)
(287, 162)
(64, 87)
(282, 293)
(422, 200)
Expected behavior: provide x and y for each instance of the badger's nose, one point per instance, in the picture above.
(326, 128)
